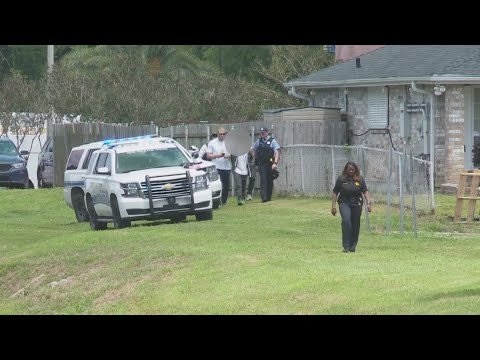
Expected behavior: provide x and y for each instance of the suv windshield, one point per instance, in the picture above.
(141, 160)
(8, 148)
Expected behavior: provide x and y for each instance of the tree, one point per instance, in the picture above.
(293, 61)
(23, 106)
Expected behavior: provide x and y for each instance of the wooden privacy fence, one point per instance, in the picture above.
(286, 133)
(67, 136)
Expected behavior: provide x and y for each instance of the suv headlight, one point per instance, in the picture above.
(131, 190)
(201, 183)
(20, 165)
(212, 173)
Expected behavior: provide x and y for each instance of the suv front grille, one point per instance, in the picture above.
(167, 188)
(4, 167)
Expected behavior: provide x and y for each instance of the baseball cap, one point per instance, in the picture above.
(275, 174)
(263, 128)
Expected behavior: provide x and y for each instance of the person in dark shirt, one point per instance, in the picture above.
(349, 190)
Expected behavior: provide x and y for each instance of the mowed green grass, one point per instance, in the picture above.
(281, 257)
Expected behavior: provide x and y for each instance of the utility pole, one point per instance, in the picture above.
(220, 56)
(50, 61)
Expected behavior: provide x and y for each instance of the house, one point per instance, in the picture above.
(395, 95)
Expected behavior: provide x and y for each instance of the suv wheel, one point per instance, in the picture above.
(118, 223)
(204, 215)
(216, 203)
(81, 212)
(94, 223)
(40, 181)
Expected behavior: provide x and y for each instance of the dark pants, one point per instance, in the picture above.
(266, 181)
(225, 179)
(350, 225)
(251, 179)
(240, 182)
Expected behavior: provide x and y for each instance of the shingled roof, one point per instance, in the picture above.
(400, 64)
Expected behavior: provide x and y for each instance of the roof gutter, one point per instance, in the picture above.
(432, 137)
(444, 79)
(292, 91)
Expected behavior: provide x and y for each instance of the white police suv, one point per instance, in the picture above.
(144, 180)
(74, 178)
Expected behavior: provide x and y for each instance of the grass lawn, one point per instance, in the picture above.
(281, 257)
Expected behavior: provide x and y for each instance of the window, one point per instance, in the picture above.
(73, 159)
(104, 160)
(377, 107)
(87, 158)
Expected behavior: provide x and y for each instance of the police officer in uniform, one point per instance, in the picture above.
(266, 156)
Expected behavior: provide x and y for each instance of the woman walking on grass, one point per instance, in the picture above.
(349, 190)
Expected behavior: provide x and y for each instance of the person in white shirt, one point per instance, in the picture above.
(217, 153)
(202, 153)
(241, 173)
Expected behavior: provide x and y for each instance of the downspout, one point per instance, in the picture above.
(432, 138)
(293, 92)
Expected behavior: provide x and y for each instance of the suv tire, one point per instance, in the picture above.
(94, 223)
(204, 215)
(118, 223)
(78, 203)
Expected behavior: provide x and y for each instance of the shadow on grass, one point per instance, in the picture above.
(454, 294)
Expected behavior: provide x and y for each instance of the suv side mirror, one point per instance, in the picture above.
(24, 152)
(194, 154)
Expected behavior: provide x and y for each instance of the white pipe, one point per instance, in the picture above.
(432, 139)
(292, 91)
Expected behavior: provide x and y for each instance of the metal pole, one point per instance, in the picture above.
(367, 218)
(333, 165)
(389, 188)
(302, 169)
(50, 62)
(414, 219)
(400, 186)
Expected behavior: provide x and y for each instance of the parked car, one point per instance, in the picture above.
(74, 178)
(45, 165)
(13, 166)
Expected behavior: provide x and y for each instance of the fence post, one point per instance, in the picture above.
(389, 188)
(301, 168)
(414, 217)
(333, 165)
(367, 216)
(400, 187)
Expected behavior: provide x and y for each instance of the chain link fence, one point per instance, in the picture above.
(396, 179)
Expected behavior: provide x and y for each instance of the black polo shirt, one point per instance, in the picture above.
(350, 190)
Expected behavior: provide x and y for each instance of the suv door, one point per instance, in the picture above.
(45, 165)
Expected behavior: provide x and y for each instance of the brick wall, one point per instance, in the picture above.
(454, 133)
(449, 130)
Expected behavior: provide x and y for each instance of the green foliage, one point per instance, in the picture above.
(169, 83)
(292, 61)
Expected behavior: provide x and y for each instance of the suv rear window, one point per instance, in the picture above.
(74, 159)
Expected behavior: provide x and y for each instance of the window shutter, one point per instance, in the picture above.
(377, 108)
